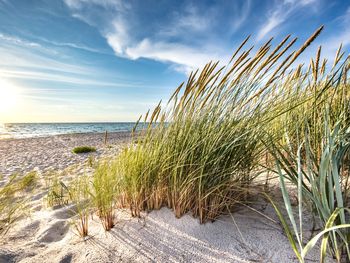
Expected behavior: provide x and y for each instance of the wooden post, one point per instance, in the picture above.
(106, 137)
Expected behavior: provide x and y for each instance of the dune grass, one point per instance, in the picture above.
(79, 193)
(324, 187)
(105, 189)
(322, 182)
(58, 191)
(200, 151)
(83, 149)
(14, 196)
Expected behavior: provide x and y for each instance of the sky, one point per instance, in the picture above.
(112, 60)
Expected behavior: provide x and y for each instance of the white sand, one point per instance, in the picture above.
(54, 152)
(157, 237)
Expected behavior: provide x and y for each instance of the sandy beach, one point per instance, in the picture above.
(47, 235)
(54, 152)
(156, 237)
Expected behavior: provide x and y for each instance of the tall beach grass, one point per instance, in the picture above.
(201, 150)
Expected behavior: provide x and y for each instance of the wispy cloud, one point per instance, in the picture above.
(59, 78)
(190, 19)
(17, 56)
(188, 38)
(186, 56)
(342, 36)
(78, 4)
(280, 13)
(118, 38)
(18, 41)
(71, 45)
(26, 60)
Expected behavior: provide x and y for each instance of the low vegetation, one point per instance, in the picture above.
(80, 196)
(105, 189)
(323, 185)
(58, 192)
(14, 198)
(83, 149)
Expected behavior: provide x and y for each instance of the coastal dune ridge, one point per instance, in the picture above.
(46, 235)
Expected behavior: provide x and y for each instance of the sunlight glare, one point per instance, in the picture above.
(9, 94)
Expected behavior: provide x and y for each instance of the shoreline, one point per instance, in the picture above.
(64, 134)
(41, 154)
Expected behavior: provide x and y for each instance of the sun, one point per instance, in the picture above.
(9, 95)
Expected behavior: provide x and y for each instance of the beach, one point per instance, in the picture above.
(43, 154)
(47, 234)
(155, 237)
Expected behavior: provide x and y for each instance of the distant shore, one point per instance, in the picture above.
(54, 152)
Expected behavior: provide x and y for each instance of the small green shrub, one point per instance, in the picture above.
(84, 149)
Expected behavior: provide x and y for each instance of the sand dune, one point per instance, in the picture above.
(157, 237)
(47, 235)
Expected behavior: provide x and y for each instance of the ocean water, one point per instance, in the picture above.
(28, 130)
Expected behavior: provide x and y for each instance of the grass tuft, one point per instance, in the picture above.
(105, 188)
(79, 192)
(14, 196)
(83, 149)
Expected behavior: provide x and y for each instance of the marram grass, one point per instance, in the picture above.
(200, 150)
(14, 196)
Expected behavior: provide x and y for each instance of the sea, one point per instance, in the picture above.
(29, 130)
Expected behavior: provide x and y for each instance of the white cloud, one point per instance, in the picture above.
(280, 13)
(241, 15)
(54, 77)
(18, 41)
(275, 20)
(190, 19)
(184, 56)
(70, 45)
(78, 4)
(188, 38)
(179, 54)
(118, 38)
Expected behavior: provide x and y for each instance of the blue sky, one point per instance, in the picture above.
(111, 60)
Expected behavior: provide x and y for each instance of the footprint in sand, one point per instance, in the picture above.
(65, 212)
(32, 228)
(7, 256)
(55, 232)
(67, 259)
